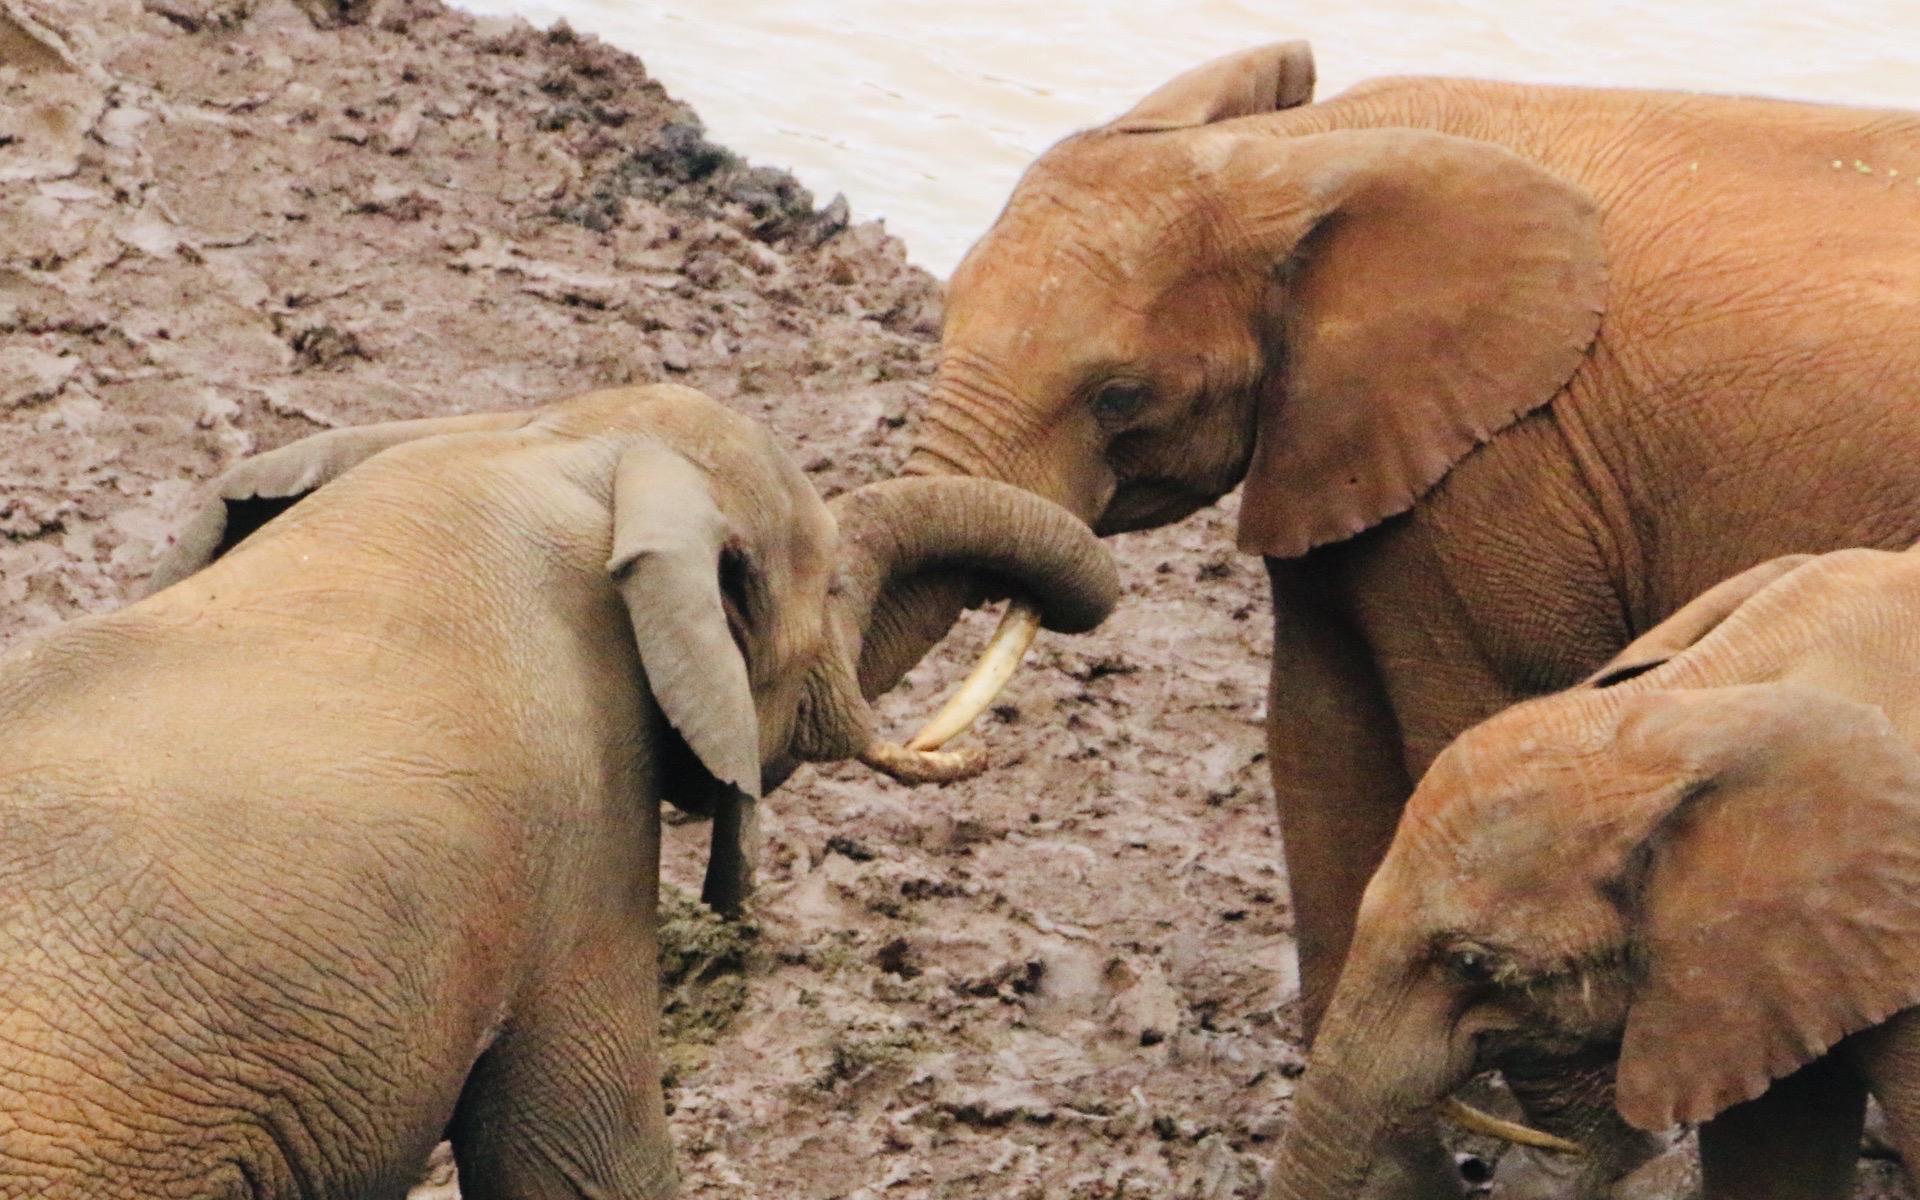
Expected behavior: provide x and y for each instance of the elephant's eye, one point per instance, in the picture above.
(1118, 400)
(1469, 965)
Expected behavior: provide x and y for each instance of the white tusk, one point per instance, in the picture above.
(997, 665)
(1473, 1120)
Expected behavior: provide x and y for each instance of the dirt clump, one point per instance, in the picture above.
(227, 224)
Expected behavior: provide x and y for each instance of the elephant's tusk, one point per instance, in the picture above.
(924, 766)
(997, 665)
(1473, 1120)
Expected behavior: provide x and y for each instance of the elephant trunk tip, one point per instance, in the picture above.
(913, 767)
(921, 759)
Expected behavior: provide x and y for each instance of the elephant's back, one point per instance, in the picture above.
(1594, 133)
(455, 526)
(1681, 179)
(436, 594)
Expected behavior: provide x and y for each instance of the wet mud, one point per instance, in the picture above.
(227, 224)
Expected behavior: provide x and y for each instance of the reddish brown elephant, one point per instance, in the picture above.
(1704, 867)
(1510, 372)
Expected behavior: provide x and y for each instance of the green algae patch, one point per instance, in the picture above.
(703, 985)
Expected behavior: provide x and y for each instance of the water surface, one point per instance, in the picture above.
(924, 111)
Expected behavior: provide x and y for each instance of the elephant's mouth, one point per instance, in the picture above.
(1148, 503)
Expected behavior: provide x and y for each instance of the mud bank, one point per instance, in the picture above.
(226, 224)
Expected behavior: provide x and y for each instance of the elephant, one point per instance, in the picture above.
(1510, 373)
(347, 835)
(1700, 869)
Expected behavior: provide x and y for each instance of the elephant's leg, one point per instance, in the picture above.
(567, 1103)
(1339, 777)
(1333, 747)
(1889, 1057)
(1798, 1141)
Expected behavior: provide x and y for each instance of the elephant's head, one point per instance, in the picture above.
(757, 607)
(1201, 291)
(1709, 886)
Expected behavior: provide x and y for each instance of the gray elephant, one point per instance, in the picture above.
(1700, 870)
(349, 839)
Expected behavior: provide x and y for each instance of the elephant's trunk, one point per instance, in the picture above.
(913, 551)
(976, 427)
(971, 427)
(1328, 1149)
(1372, 1085)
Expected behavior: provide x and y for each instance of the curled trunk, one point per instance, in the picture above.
(913, 615)
(913, 552)
(909, 619)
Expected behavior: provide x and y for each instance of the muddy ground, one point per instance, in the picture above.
(226, 224)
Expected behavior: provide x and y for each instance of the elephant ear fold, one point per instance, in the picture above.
(669, 539)
(1778, 906)
(1261, 80)
(1694, 621)
(1430, 290)
(258, 489)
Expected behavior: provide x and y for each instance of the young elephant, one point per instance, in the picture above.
(351, 837)
(1702, 867)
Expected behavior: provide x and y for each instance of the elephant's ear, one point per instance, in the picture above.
(1695, 620)
(669, 538)
(1430, 290)
(1778, 906)
(258, 489)
(1261, 80)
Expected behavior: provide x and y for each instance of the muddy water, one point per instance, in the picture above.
(924, 111)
